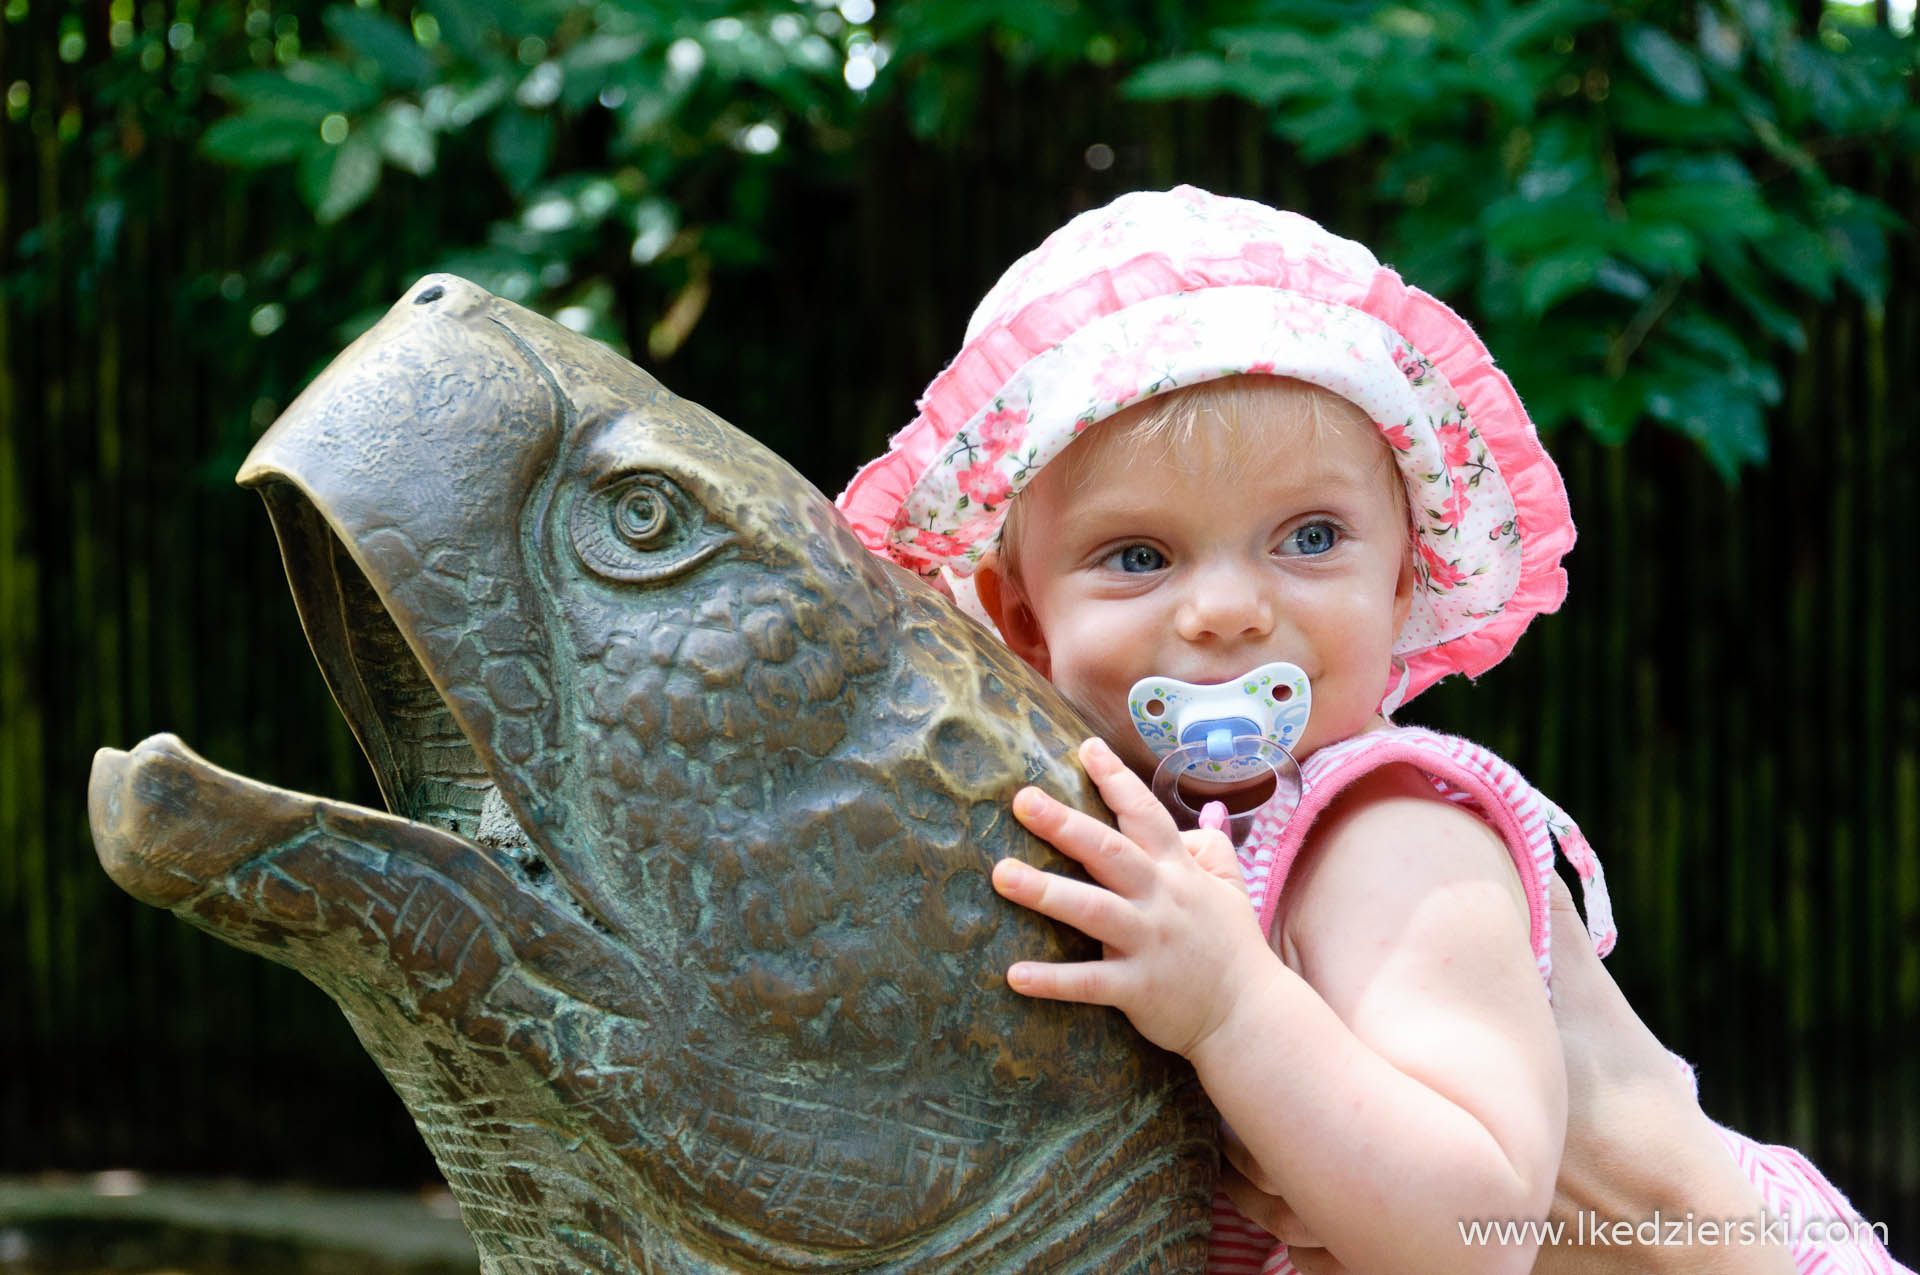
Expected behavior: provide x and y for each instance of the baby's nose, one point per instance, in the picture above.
(1224, 605)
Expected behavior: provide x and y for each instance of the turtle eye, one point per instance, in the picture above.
(641, 516)
(642, 527)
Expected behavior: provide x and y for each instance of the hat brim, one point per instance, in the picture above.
(1489, 508)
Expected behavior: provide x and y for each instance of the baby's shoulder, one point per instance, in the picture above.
(1395, 807)
(1387, 841)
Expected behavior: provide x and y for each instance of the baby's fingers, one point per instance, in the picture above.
(1214, 853)
(1108, 855)
(1139, 813)
(1087, 982)
(1097, 913)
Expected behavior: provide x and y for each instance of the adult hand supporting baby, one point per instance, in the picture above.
(1637, 1142)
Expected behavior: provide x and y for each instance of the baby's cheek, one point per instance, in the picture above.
(1134, 752)
(1110, 725)
(1336, 718)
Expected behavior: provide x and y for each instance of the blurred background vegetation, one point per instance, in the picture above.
(1686, 230)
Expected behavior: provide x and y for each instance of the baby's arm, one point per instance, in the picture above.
(1421, 1086)
(1405, 914)
(1637, 1143)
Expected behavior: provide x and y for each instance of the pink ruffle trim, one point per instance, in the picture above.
(873, 500)
(1539, 496)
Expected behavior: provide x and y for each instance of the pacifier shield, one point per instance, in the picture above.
(1270, 702)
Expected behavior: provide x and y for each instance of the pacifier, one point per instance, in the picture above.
(1224, 735)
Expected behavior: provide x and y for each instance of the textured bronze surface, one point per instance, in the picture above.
(678, 943)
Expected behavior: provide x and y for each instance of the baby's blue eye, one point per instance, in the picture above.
(1136, 558)
(1313, 538)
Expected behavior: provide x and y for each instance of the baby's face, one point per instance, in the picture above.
(1205, 565)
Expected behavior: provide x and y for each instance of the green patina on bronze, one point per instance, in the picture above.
(678, 943)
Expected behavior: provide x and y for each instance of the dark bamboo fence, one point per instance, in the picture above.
(1729, 702)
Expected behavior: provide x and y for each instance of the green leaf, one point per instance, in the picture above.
(1640, 112)
(1611, 410)
(1187, 75)
(1621, 280)
(255, 141)
(1554, 364)
(382, 41)
(1549, 278)
(1318, 15)
(448, 108)
(1858, 249)
(1522, 228)
(335, 180)
(1327, 130)
(520, 145)
(1705, 168)
(335, 83)
(1541, 19)
(946, 28)
(1711, 211)
(591, 65)
(1730, 427)
(1280, 43)
(1658, 248)
(1761, 18)
(1730, 264)
(1668, 63)
(655, 223)
(650, 109)
(1203, 75)
(1842, 93)
(405, 139)
(942, 102)
(264, 93)
(1798, 253)
(1437, 252)
(463, 29)
(1721, 346)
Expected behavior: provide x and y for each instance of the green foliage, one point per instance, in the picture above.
(392, 50)
(593, 140)
(1635, 203)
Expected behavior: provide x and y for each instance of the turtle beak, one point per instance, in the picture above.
(396, 483)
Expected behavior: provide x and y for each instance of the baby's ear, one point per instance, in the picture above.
(1403, 588)
(1003, 599)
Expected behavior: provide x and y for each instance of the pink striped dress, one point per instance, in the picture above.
(1826, 1234)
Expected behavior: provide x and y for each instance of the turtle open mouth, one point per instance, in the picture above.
(427, 769)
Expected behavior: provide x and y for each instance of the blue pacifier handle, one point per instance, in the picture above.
(1219, 735)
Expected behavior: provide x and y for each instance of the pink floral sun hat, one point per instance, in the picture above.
(1165, 289)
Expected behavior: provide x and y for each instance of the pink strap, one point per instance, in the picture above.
(1385, 749)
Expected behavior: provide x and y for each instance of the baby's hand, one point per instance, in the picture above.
(1170, 909)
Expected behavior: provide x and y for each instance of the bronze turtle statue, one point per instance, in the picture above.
(678, 942)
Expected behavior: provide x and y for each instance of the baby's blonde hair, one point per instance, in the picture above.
(1164, 429)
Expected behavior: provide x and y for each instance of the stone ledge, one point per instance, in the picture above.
(120, 1221)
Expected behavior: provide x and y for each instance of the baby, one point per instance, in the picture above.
(1289, 455)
